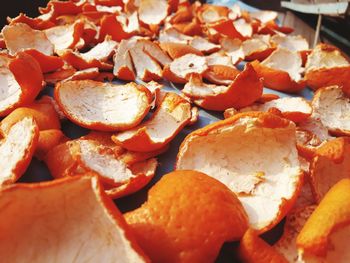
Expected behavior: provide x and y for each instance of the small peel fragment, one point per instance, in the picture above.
(153, 134)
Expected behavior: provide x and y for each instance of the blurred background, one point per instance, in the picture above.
(334, 29)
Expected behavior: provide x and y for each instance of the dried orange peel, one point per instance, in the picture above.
(330, 105)
(19, 37)
(91, 227)
(328, 241)
(327, 66)
(245, 89)
(103, 106)
(253, 249)
(281, 71)
(296, 109)
(104, 159)
(231, 151)
(213, 209)
(329, 165)
(172, 114)
(17, 89)
(16, 149)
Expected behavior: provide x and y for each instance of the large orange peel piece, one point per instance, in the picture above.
(177, 50)
(328, 241)
(17, 89)
(66, 36)
(295, 221)
(327, 66)
(281, 71)
(95, 57)
(244, 90)
(292, 43)
(122, 173)
(331, 106)
(103, 106)
(117, 27)
(16, 149)
(196, 204)
(253, 249)
(35, 23)
(330, 164)
(212, 13)
(90, 227)
(47, 63)
(19, 37)
(254, 154)
(123, 67)
(172, 114)
(294, 108)
(153, 12)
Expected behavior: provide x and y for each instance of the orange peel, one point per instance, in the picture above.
(326, 66)
(212, 13)
(281, 71)
(176, 196)
(331, 105)
(231, 150)
(84, 235)
(296, 109)
(244, 90)
(253, 249)
(17, 89)
(19, 37)
(16, 149)
(153, 12)
(101, 106)
(328, 241)
(47, 63)
(123, 67)
(150, 135)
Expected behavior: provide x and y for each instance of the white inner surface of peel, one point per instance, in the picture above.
(109, 104)
(285, 60)
(292, 43)
(244, 28)
(219, 59)
(325, 59)
(101, 51)
(65, 223)
(259, 164)
(62, 37)
(253, 45)
(20, 36)
(315, 126)
(211, 15)
(105, 164)
(13, 148)
(188, 64)
(196, 88)
(332, 107)
(153, 12)
(232, 48)
(154, 51)
(264, 16)
(288, 104)
(164, 124)
(10, 91)
(203, 44)
(172, 35)
(143, 63)
(122, 57)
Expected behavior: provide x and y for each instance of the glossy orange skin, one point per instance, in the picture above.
(187, 218)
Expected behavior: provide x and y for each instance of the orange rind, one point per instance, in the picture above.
(48, 139)
(330, 164)
(204, 45)
(328, 241)
(16, 149)
(327, 66)
(296, 109)
(264, 16)
(244, 90)
(221, 74)
(232, 48)
(231, 151)
(331, 106)
(256, 49)
(172, 114)
(292, 43)
(177, 50)
(253, 249)
(295, 221)
(66, 36)
(101, 157)
(196, 204)
(19, 37)
(116, 27)
(153, 12)
(17, 89)
(91, 227)
(212, 13)
(123, 67)
(281, 71)
(85, 74)
(102, 106)
(96, 57)
(35, 23)
(47, 63)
